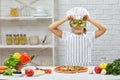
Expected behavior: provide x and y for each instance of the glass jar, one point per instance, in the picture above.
(8, 39)
(16, 39)
(22, 39)
(14, 12)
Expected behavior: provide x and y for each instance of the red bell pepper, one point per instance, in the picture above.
(24, 58)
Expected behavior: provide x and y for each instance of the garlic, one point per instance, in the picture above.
(103, 71)
(90, 71)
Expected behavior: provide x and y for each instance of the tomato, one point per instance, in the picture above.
(29, 72)
(48, 71)
(98, 69)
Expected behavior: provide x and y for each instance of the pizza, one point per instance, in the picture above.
(70, 69)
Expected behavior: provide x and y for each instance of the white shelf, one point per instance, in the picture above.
(26, 46)
(25, 18)
(41, 23)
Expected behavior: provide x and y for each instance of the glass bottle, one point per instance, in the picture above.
(22, 39)
(8, 39)
(16, 39)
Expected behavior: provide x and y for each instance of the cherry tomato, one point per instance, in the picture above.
(29, 72)
(48, 71)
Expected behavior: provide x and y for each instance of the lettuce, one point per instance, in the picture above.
(11, 62)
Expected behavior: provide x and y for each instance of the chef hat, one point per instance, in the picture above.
(77, 12)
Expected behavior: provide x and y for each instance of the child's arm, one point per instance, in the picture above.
(101, 28)
(54, 27)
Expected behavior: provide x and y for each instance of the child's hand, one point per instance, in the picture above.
(85, 17)
(70, 17)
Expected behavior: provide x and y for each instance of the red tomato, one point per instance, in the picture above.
(98, 69)
(48, 71)
(29, 72)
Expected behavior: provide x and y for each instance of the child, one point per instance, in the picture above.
(78, 43)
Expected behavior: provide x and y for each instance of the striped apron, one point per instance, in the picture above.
(78, 48)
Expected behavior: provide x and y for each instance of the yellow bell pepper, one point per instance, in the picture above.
(17, 55)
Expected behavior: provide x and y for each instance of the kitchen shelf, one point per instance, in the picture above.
(26, 46)
(25, 18)
(27, 23)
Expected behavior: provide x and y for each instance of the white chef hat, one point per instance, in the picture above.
(77, 12)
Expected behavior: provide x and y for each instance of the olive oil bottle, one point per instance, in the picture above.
(9, 39)
(16, 39)
(22, 39)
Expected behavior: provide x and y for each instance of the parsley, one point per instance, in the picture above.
(114, 67)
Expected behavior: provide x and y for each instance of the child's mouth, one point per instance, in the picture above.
(78, 28)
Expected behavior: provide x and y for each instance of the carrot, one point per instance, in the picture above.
(3, 67)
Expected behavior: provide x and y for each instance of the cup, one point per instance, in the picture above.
(34, 40)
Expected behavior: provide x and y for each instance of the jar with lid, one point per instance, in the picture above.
(23, 39)
(14, 12)
(9, 39)
(16, 39)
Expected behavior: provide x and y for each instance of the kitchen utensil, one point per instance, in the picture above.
(44, 40)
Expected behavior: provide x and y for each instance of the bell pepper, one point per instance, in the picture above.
(77, 23)
(24, 58)
(73, 23)
(17, 55)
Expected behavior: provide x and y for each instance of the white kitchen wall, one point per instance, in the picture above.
(106, 48)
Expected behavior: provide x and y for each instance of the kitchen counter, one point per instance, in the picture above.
(62, 76)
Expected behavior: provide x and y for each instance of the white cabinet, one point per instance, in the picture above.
(33, 18)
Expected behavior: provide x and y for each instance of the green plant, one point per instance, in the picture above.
(114, 67)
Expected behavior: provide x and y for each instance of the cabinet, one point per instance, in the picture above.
(33, 18)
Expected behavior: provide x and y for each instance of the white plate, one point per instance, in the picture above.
(40, 15)
(17, 75)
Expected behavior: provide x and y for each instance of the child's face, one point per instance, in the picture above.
(78, 26)
(78, 30)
